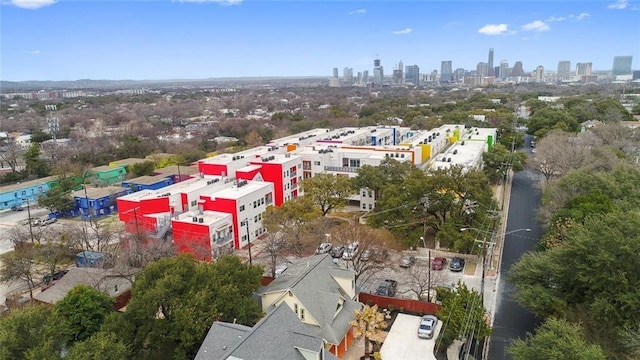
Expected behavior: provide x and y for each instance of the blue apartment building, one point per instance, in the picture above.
(25, 193)
(94, 202)
(148, 182)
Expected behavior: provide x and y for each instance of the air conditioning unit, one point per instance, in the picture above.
(195, 219)
(200, 220)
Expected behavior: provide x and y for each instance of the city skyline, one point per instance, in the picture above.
(199, 39)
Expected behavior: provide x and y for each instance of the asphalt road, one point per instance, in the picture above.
(511, 320)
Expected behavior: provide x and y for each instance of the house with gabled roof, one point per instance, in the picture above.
(322, 295)
(279, 335)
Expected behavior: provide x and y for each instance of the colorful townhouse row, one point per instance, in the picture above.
(220, 208)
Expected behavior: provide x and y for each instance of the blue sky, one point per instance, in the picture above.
(146, 39)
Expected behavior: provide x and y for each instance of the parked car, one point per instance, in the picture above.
(457, 264)
(49, 280)
(388, 288)
(323, 248)
(427, 326)
(337, 251)
(438, 263)
(367, 254)
(407, 261)
(351, 251)
(48, 222)
(17, 208)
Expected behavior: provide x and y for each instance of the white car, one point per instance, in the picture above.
(324, 248)
(427, 326)
(351, 251)
(48, 222)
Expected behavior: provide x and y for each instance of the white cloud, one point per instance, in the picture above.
(32, 4)
(618, 5)
(221, 2)
(556, 19)
(358, 12)
(580, 16)
(403, 31)
(537, 26)
(494, 29)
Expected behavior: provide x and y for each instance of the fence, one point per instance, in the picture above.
(408, 305)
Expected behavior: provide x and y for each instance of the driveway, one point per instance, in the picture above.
(403, 343)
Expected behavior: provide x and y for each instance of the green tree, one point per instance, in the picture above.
(35, 166)
(28, 331)
(327, 191)
(175, 300)
(142, 169)
(555, 339)
(57, 199)
(463, 312)
(562, 281)
(100, 346)
(289, 222)
(82, 312)
(498, 160)
(376, 178)
(40, 137)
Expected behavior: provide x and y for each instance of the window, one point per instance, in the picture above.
(194, 203)
(295, 308)
(316, 163)
(370, 194)
(241, 207)
(354, 163)
(255, 218)
(364, 193)
(364, 206)
(302, 314)
(369, 206)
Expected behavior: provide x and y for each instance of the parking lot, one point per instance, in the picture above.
(413, 280)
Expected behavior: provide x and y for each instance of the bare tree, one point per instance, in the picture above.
(422, 280)
(10, 156)
(371, 255)
(139, 249)
(20, 265)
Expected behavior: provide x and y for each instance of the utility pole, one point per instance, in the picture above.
(29, 218)
(425, 207)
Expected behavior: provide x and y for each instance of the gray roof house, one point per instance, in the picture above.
(279, 335)
(322, 295)
(115, 283)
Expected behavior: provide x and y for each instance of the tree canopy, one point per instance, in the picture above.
(555, 339)
(328, 192)
(175, 300)
(592, 276)
(82, 312)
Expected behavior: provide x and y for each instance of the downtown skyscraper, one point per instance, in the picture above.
(490, 69)
(622, 65)
(564, 70)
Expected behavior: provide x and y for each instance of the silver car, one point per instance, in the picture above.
(427, 326)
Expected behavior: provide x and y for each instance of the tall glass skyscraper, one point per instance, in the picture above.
(622, 65)
(564, 70)
(446, 71)
(490, 63)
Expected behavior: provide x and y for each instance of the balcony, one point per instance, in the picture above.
(347, 169)
(222, 240)
(294, 173)
(306, 167)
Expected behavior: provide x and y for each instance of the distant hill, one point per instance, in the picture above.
(14, 86)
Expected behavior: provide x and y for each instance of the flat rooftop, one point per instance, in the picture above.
(208, 217)
(100, 192)
(236, 192)
(27, 184)
(147, 180)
